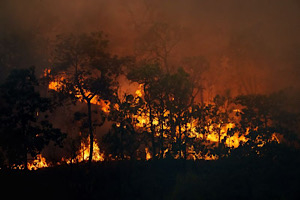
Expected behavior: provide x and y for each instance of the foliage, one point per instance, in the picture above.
(123, 139)
(169, 117)
(261, 123)
(179, 127)
(24, 125)
(86, 71)
(83, 65)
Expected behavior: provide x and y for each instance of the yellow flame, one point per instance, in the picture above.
(148, 154)
(84, 153)
(56, 85)
(138, 92)
(232, 141)
(39, 162)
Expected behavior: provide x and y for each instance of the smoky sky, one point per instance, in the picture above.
(251, 46)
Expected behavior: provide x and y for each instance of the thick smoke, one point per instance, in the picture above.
(251, 46)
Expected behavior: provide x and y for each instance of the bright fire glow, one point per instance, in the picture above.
(148, 155)
(138, 92)
(84, 153)
(56, 85)
(39, 162)
(232, 141)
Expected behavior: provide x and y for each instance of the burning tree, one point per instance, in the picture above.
(147, 75)
(260, 122)
(168, 101)
(85, 71)
(123, 139)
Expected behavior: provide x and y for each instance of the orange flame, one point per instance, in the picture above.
(148, 155)
(84, 152)
(39, 162)
(232, 141)
(138, 92)
(57, 84)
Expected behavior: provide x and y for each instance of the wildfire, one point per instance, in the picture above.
(231, 140)
(216, 133)
(148, 154)
(58, 83)
(82, 156)
(39, 162)
(55, 85)
(84, 152)
(138, 92)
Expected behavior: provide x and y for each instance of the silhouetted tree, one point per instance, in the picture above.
(24, 125)
(147, 75)
(201, 114)
(123, 139)
(180, 100)
(86, 70)
(168, 98)
(257, 123)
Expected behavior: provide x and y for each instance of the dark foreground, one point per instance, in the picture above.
(163, 179)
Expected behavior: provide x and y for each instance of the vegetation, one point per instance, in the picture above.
(24, 125)
(158, 140)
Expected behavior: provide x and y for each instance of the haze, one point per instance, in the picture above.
(251, 46)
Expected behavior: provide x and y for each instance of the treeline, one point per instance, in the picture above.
(165, 119)
(168, 120)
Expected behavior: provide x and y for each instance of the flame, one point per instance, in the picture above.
(57, 85)
(138, 92)
(148, 155)
(84, 153)
(232, 141)
(82, 156)
(39, 162)
(211, 157)
(103, 104)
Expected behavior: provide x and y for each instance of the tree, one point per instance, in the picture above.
(86, 70)
(258, 123)
(168, 100)
(147, 75)
(181, 97)
(123, 139)
(202, 115)
(24, 125)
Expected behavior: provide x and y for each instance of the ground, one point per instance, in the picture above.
(162, 179)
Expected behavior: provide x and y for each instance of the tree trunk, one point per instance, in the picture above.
(185, 141)
(90, 131)
(152, 133)
(179, 139)
(173, 131)
(219, 137)
(161, 138)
